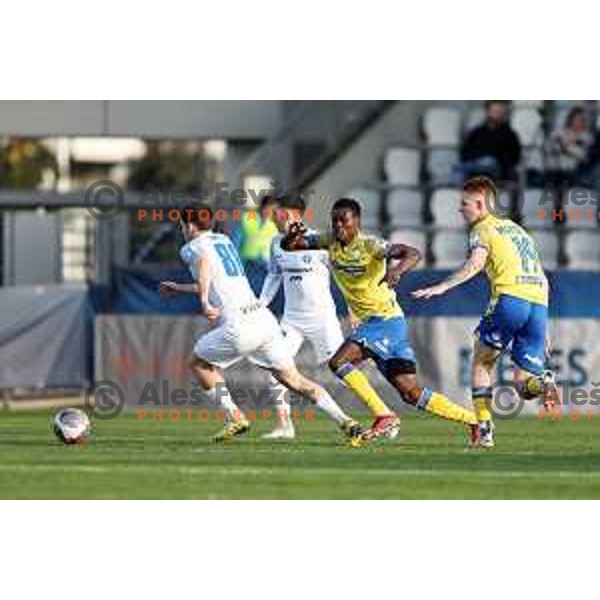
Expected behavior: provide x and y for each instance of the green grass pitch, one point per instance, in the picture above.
(127, 458)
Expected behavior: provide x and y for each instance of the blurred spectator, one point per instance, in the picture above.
(492, 148)
(567, 150)
(252, 237)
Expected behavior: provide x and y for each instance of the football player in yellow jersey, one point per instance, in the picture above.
(360, 267)
(517, 314)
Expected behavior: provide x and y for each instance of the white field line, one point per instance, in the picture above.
(287, 470)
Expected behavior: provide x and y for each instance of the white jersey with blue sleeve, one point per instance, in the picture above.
(229, 290)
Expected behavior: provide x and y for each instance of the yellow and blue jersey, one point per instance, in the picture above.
(513, 264)
(358, 269)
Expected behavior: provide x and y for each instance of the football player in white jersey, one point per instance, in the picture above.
(242, 326)
(309, 309)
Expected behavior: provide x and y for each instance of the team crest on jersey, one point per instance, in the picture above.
(307, 258)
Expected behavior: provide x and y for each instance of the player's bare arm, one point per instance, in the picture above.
(167, 288)
(402, 259)
(204, 279)
(474, 265)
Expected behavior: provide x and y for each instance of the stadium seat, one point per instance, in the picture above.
(370, 200)
(417, 239)
(583, 250)
(405, 208)
(449, 248)
(576, 204)
(402, 166)
(440, 162)
(533, 157)
(530, 208)
(444, 204)
(442, 126)
(549, 246)
(475, 117)
(527, 123)
(538, 104)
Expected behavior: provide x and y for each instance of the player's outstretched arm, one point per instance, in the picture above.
(167, 288)
(474, 265)
(405, 258)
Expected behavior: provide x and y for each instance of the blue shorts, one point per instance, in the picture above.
(386, 340)
(521, 325)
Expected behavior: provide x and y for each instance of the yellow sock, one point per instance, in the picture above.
(481, 397)
(481, 409)
(444, 407)
(359, 384)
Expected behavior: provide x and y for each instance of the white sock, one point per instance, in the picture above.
(222, 398)
(329, 406)
(280, 393)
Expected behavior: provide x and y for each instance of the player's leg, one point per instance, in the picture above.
(529, 354)
(284, 428)
(273, 354)
(484, 360)
(212, 353)
(313, 392)
(401, 373)
(345, 365)
(494, 334)
(390, 348)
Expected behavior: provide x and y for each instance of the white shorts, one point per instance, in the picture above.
(255, 336)
(324, 335)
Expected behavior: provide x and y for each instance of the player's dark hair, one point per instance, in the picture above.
(295, 202)
(266, 200)
(199, 214)
(348, 204)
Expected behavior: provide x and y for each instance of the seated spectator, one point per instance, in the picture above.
(492, 148)
(567, 151)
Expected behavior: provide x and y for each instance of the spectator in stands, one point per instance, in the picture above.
(567, 150)
(252, 237)
(492, 148)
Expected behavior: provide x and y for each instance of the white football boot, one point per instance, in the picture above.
(486, 434)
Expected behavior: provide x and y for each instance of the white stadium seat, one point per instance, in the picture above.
(440, 162)
(539, 104)
(410, 237)
(583, 250)
(402, 166)
(450, 248)
(530, 208)
(475, 117)
(527, 123)
(548, 245)
(534, 157)
(444, 204)
(576, 205)
(370, 201)
(442, 126)
(405, 208)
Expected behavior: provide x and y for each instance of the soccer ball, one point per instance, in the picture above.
(71, 426)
